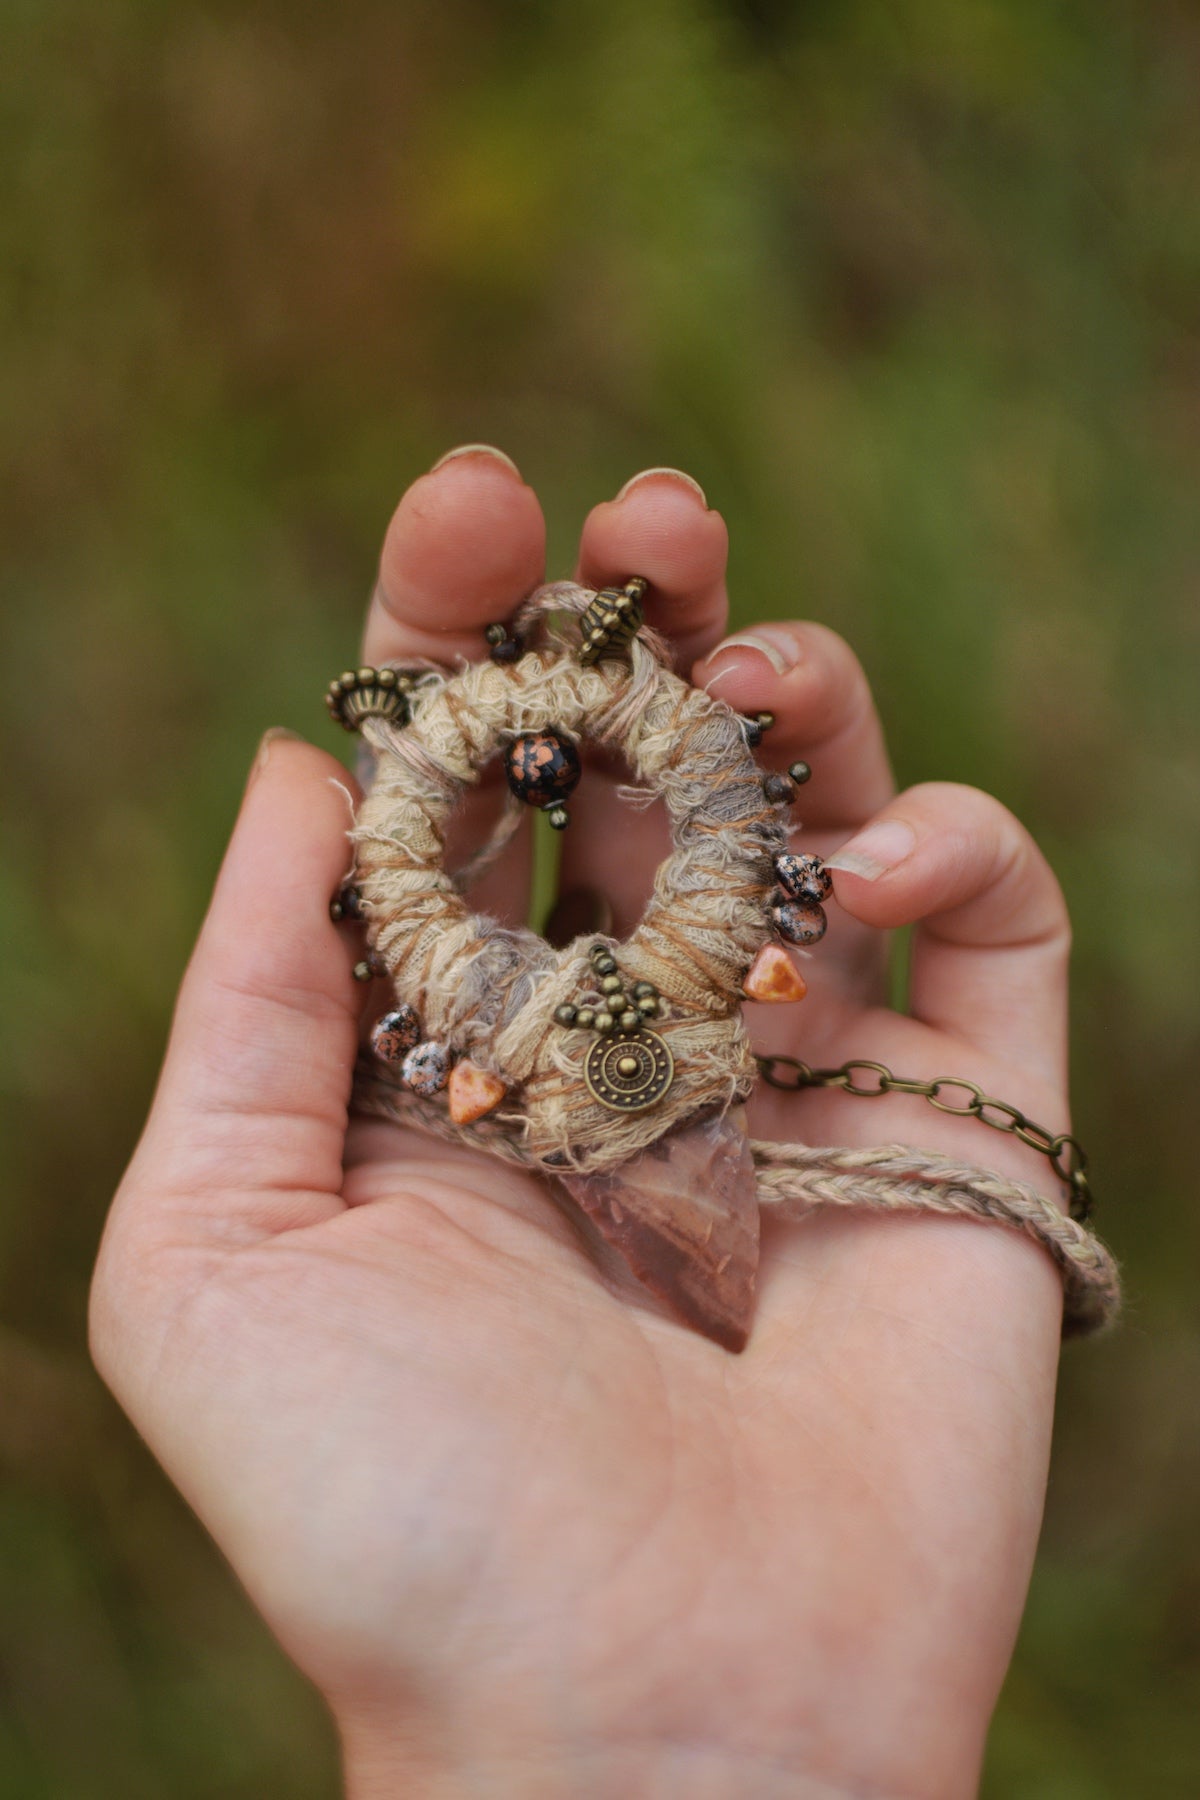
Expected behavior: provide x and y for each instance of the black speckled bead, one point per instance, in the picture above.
(798, 924)
(426, 1069)
(393, 1036)
(803, 878)
(542, 767)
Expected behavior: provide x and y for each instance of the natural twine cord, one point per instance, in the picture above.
(897, 1178)
(491, 991)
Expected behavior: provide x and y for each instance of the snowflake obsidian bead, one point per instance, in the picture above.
(798, 924)
(803, 878)
(426, 1069)
(394, 1035)
(542, 768)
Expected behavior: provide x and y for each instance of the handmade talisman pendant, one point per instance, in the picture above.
(616, 1069)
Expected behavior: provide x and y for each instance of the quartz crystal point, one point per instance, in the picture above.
(684, 1215)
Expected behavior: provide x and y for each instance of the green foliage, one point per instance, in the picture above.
(914, 290)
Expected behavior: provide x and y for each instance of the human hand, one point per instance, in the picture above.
(525, 1534)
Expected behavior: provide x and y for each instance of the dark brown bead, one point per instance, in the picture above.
(803, 878)
(780, 790)
(798, 924)
(394, 1035)
(542, 767)
(507, 651)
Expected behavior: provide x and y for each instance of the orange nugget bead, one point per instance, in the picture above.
(473, 1092)
(774, 976)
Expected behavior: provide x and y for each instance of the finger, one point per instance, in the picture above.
(246, 1132)
(660, 527)
(989, 959)
(824, 715)
(466, 544)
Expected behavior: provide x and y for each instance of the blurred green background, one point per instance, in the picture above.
(914, 290)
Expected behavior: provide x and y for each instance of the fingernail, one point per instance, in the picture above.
(876, 850)
(779, 646)
(476, 450)
(686, 481)
(277, 734)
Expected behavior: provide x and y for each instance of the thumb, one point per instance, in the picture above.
(246, 1133)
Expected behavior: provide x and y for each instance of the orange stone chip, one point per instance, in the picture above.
(473, 1092)
(773, 976)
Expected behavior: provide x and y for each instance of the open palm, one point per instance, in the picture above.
(528, 1536)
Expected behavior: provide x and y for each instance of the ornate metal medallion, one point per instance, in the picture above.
(629, 1073)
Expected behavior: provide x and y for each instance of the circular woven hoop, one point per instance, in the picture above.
(490, 991)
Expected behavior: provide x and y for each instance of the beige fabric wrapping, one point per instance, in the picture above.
(489, 991)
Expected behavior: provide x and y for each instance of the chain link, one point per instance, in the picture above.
(871, 1080)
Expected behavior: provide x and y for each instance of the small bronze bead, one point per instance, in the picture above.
(780, 790)
(610, 984)
(800, 773)
(644, 990)
(648, 1006)
(496, 634)
(630, 1020)
(346, 903)
(605, 1022)
(363, 971)
(566, 1015)
(627, 1066)
(386, 678)
(558, 817)
(349, 680)
(764, 720)
(585, 1018)
(366, 676)
(605, 964)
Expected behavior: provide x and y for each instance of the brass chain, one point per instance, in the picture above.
(1066, 1154)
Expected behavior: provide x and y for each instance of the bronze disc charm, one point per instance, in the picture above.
(629, 1074)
